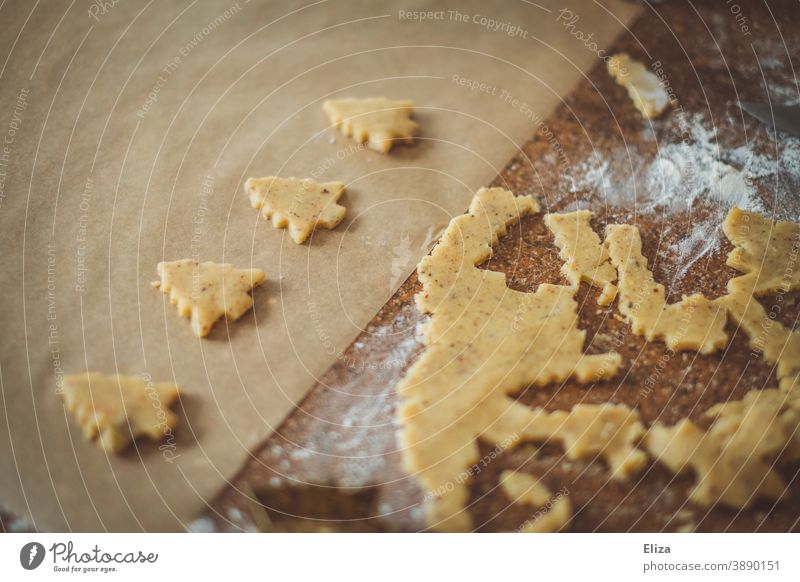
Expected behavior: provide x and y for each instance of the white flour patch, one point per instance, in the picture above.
(687, 175)
(203, 525)
(367, 438)
(363, 437)
(784, 94)
(591, 174)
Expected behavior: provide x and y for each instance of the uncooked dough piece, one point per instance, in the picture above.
(761, 409)
(734, 459)
(694, 323)
(584, 255)
(777, 343)
(769, 250)
(484, 341)
(644, 88)
(375, 120)
(527, 490)
(207, 291)
(609, 430)
(302, 205)
(118, 409)
(768, 253)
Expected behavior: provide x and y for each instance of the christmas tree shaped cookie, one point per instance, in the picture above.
(378, 121)
(118, 409)
(300, 205)
(207, 291)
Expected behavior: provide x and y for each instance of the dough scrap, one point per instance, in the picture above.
(299, 204)
(484, 341)
(118, 409)
(765, 408)
(694, 323)
(769, 250)
(207, 291)
(776, 343)
(527, 490)
(458, 391)
(376, 120)
(588, 430)
(734, 459)
(584, 255)
(644, 88)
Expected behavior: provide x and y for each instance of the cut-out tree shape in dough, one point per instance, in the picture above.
(767, 252)
(118, 409)
(734, 459)
(694, 323)
(484, 342)
(375, 120)
(207, 291)
(525, 489)
(299, 204)
(584, 255)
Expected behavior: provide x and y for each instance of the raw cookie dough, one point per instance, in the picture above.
(302, 205)
(118, 409)
(378, 121)
(767, 249)
(775, 342)
(527, 490)
(644, 88)
(584, 255)
(207, 291)
(609, 430)
(694, 323)
(767, 252)
(484, 341)
(734, 459)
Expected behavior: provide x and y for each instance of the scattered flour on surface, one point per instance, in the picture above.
(235, 514)
(368, 422)
(20, 525)
(785, 94)
(203, 525)
(698, 171)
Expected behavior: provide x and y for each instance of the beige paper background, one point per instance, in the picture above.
(87, 179)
